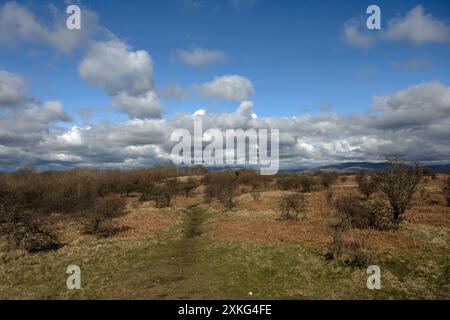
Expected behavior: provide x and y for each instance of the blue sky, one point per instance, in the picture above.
(290, 50)
(336, 90)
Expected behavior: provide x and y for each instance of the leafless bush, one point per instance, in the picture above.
(103, 210)
(292, 205)
(351, 253)
(188, 186)
(398, 183)
(446, 190)
(22, 227)
(221, 186)
(329, 196)
(361, 215)
(327, 178)
(367, 184)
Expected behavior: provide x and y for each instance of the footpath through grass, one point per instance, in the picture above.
(192, 264)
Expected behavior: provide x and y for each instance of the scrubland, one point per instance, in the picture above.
(167, 233)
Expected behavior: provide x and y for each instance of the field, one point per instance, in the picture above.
(204, 250)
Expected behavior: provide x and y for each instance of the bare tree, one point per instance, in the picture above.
(398, 183)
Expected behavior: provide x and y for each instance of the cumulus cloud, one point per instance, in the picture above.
(114, 67)
(125, 74)
(355, 34)
(228, 87)
(19, 25)
(146, 105)
(23, 126)
(416, 27)
(199, 57)
(12, 89)
(413, 122)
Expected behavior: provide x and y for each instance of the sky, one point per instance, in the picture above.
(110, 94)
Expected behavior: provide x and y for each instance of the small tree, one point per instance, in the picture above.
(398, 183)
(447, 191)
(292, 205)
(366, 184)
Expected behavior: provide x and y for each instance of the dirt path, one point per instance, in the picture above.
(174, 272)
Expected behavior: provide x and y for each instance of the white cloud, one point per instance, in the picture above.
(114, 67)
(124, 74)
(413, 122)
(199, 57)
(228, 87)
(12, 89)
(355, 35)
(416, 27)
(19, 25)
(146, 105)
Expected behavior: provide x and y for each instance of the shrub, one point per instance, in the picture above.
(336, 246)
(398, 183)
(221, 186)
(446, 190)
(351, 253)
(361, 215)
(329, 196)
(161, 193)
(307, 182)
(366, 184)
(327, 178)
(104, 209)
(188, 186)
(292, 205)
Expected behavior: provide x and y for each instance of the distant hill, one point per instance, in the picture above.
(369, 166)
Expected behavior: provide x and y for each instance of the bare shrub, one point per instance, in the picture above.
(398, 183)
(351, 253)
(188, 186)
(22, 227)
(361, 215)
(336, 246)
(446, 190)
(329, 196)
(104, 209)
(367, 184)
(221, 186)
(292, 205)
(306, 182)
(327, 178)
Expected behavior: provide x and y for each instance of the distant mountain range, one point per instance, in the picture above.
(350, 167)
(369, 166)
